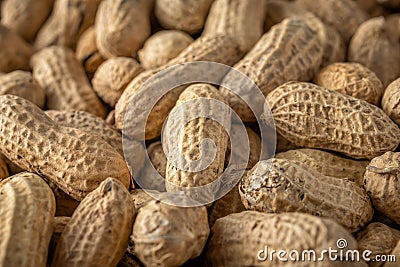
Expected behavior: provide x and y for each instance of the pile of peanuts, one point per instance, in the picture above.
(70, 70)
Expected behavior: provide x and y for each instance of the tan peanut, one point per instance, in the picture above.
(67, 22)
(158, 161)
(280, 185)
(242, 19)
(352, 79)
(327, 163)
(391, 101)
(27, 209)
(162, 47)
(166, 235)
(22, 84)
(375, 46)
(379, 239)
(25, 17)
(99, 229)
(87, 52)
(315, 117)
(14, 51)
(382, 183)
(122, 26)
(74, 160)
(237, 238)
(64, 80)
(190, 140)
(188, 16)
(112, 77)
(268, 65)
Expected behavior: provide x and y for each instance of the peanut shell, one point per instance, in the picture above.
(87, 52)
(391, 101)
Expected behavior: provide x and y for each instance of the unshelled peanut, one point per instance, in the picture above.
(391, 101)
(87, 52)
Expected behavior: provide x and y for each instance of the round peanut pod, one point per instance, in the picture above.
(158, 161)
(22, 84)
(162, 47)
(122, 26)
(112, 77)
(375, 46)
(188, 16)
(391, 101)
(352, 79)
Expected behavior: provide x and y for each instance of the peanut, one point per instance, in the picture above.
(188, 16)
(236, 238)
(22, 84)
(335, 48)
(64, 80)
(315, 117)
(99, 229)
(74, 160)
(162, 47)
(396, 253)
(158, 160)
(381, 181)
(112, 77)
(352, 79)
(140, 197)
(27, 209)
(391, 101)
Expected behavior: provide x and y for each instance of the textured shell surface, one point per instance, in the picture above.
(391, 101)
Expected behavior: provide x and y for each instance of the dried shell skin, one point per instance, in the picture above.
(22, 84)
(25, 17)
(391, 101)
(167, 235)
(327, 164)
(375, 46)
(221, 49)
(266, 66)
(242, 19)
(87, 52)
(188, 16)
(60, 74)
(67, 22)
(162, 47)
(381, 181)
(315, 117)
(112, 77)
(74, 160)
(280, 185)
(122, 26)
(352, 79)
(236, 238)
(191, 135)
(14, 51)
(159, 162)
(27, 209)
(378, 238)
(99, 229)
(344, 15)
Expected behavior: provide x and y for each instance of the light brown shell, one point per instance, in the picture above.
(122, 26)
(396, 252)
(166, 235)
(14, 51)
(352, 79)
(237, 239)
(280, 185)
(159, 162)
(185, 15)
(162, 47)
(67, 22)
(379, 239)
(64, 80)
(375, 46)
(327, 163)
(140, 197)
(112, 77)
(382, 183)
(74, 160)
(87, 52)
(99, 229)
(22, 84)
(269, 65)
(391, 101)
(25, 17)
(315, 117)
(27, 209)
(344, 15)
(243, 20)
